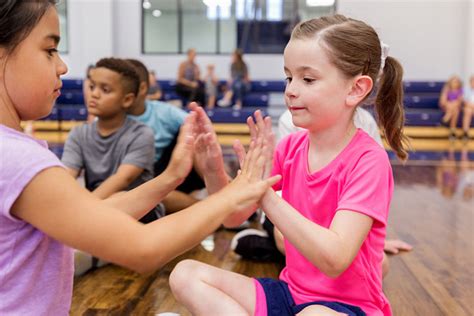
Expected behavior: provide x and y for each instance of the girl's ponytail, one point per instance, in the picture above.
(389, 107)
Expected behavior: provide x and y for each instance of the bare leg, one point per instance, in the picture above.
(455, 108)
(211, 101)
(207, 290)
(319, 310)
(467, 118)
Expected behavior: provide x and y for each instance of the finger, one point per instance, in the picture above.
(256, 161)
(272, 180)
(248, 157)
(239, 151)
(193, 106)
(252, 128)
(186, 128)
(260, 123)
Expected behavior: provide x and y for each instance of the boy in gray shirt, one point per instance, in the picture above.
(116, 152)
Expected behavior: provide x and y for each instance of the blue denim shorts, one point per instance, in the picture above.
(281, 303)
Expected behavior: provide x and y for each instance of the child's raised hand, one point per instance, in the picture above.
(181, 160)
(207, 151)
(251, 182)
(260, 128)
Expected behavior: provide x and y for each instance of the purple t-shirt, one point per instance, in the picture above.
(36, 271)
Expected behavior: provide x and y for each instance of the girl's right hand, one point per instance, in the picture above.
(181, 160)
(251, 183)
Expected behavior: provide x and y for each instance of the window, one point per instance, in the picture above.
(220, 26)
(62, 13)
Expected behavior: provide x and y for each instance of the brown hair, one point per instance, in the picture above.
(141, 70)
(130, 79)
(18, 18)
(355, 49)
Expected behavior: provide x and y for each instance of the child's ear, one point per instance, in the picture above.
(361, 86)
(128, 100)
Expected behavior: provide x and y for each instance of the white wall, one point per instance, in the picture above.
(432, 38)
(428, 37)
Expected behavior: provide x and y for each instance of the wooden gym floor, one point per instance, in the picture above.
(432, 209)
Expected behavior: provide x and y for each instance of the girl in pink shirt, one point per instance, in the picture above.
(336, 184)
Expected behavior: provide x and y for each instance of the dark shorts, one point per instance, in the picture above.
(281, 303)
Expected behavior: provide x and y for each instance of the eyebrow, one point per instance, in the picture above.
(53, 37)
(303, 69)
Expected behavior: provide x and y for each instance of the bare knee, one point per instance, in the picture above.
(319, 310)
(182, 276)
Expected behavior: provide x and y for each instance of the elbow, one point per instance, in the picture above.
(334, 265)
(146, 260)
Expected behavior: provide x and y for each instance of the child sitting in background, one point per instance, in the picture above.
(468, 109)
(165, 120)
(211, 82)
(154, 90)
(450, 102)
(115, 152)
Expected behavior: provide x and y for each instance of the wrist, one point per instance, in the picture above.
(171, 178)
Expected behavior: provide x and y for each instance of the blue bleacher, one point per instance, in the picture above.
(423, 86)
(70, 97)
(421, 101)
(268, 86)
(72, 84)
(228, 115)
(72, 113)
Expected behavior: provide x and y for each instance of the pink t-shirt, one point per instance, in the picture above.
(359, 179)
(36, 271)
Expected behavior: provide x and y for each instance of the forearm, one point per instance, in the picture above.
(139, 201)
(111, 186)
(321, 246)
(185, 228)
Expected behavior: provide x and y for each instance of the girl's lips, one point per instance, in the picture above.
(296, 108)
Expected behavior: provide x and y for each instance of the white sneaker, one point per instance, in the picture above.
(223, 103)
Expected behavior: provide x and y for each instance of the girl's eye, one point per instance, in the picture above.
(288, 79)
(52, 51)
(308, 80)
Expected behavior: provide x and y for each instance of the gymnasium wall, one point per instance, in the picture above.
(432, 38)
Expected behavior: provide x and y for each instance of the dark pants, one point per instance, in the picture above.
(192, 182)
(191, 94)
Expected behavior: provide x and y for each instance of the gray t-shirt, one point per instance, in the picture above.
(101, 157)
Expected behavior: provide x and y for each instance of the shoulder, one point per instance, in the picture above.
(365, 152)
(137, 127)
(291, 143)
(81, 130)
(20, 152)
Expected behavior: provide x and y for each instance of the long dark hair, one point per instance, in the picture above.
(354, 48)
(18, 18)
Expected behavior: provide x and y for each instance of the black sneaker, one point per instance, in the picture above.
(255, 244)
(465, 136)
(452, 135)
(444, 123)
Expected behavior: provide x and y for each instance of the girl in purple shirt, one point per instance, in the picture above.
(44, 211)
(450, 102)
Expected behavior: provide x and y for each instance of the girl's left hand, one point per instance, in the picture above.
(260, 128)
